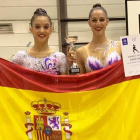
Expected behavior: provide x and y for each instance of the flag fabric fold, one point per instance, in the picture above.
(100, 105)
(22, 78)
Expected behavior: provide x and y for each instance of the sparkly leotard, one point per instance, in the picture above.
(102, 56)
(53, 64)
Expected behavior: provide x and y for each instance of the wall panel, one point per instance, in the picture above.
(91, 2)
(27, 3)
(24, 27)
(24, 13)
(82, 11)
(23, 39)
(114, 30)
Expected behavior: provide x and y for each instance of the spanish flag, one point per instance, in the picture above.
(100, 105)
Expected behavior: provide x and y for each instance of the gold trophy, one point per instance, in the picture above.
(72, 40)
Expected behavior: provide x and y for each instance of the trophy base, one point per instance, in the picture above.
(74, 70)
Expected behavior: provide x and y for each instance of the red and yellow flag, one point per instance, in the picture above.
(101, 105)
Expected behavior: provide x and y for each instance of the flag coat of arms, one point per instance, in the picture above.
(100, 105)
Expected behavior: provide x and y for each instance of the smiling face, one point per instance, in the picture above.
(41, 29)
(98, 22)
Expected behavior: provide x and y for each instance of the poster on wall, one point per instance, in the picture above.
(131, 54)
(132, 11)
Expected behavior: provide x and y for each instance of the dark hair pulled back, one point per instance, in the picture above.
(97, 6)
(40, 12)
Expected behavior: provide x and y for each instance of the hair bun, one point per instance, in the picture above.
(96, 5)
(40, 11)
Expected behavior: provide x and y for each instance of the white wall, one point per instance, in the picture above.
(114, 30)
(81, 8)
(19, 13)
